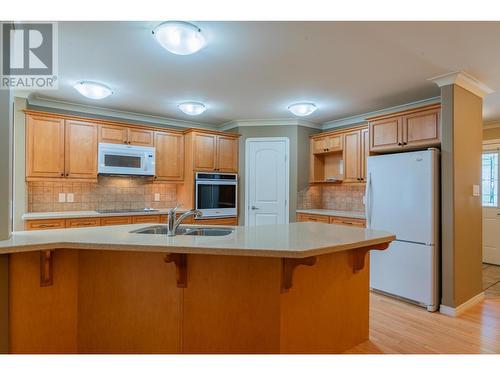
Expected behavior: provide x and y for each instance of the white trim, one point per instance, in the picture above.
(287, 182)
(116, 114)
(268, 122)
(456, 311)
(464, 80)
(361, 118)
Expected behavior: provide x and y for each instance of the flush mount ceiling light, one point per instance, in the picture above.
(302, 109)
(192, 108)
(93, 90)
(181, 38)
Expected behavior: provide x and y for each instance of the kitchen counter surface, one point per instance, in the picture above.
(351, 214)
(295, 240)
(77, 214)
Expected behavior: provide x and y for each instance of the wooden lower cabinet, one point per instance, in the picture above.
(43, 224)
(332, 220)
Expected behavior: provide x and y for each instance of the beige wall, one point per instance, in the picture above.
(461, 212)
(299, 166)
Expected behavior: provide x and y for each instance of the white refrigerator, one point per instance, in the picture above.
(402, 197)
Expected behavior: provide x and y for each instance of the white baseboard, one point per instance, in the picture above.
(456, 311)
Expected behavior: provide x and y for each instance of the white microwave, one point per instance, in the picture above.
(118, 159)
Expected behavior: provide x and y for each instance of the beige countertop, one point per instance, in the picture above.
(318, 211)
(295, 240)
(77, 214)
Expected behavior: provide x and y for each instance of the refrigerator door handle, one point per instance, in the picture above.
(368, 200)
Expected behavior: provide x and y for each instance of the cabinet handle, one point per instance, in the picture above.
(67, 174)
(400, 144)
(405, 143)
(347, 222)
(62, 174)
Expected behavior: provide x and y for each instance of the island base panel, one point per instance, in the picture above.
(129, 302)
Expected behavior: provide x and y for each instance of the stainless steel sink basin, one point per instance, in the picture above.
(187, 231)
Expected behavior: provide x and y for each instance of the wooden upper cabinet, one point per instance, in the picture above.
(112, 134)
(205, 149)
(140, 137)
(417, 128)
(44, 147)
(126, 135)
(386, 134)
(422, 128)
(365, 151)
(331, 143)
(169, 156)
(80, 155)
(227, 154)
(352, 156)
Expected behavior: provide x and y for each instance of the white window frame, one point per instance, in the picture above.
(489, 146)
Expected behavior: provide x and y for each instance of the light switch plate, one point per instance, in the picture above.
(475, 191)
(70, 197)
(62, 198)
(157, 197)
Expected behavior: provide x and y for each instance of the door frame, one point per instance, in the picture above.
(287, 173)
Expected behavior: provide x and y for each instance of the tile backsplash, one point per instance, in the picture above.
(107, 193)
(342, 197)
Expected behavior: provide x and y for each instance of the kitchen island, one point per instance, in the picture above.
(295, 288)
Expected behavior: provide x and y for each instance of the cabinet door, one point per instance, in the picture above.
(205, 148)
(334, 143)
(365, 152)
(45, 147)
(112, 134)
(83, 222)
(313, 218)
(145, 219)
(140, 137)
(422, 128)
(43, 224)
(319, 145)
(352, 156)
(116, 220)
(386, 134)
(169, 156)
(347, 221)
(227, 154)
(80, 149)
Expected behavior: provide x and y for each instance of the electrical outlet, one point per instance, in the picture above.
(475, 191)
(364, 199)
(62, 197)
(70, 197)
(157, 197)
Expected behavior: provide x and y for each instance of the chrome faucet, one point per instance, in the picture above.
(173, 224)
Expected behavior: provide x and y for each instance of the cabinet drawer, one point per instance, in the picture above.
(221, 221)
(83, 222)
(116, 220)
(347, 221)
(145, 219)
(315, 218)
(45, 224)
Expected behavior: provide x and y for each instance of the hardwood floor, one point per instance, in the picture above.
(491, 280)
(399, 327)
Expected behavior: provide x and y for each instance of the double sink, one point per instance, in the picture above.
(186, 231)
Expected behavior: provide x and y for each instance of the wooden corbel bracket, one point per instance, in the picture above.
(180, 261)
(46, 267)
(360, 255)
(287, 267)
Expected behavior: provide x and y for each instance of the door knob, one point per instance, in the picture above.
(254, 208)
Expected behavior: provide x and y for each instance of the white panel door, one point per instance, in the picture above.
(491, 235)
(402, 195)
(266, 181)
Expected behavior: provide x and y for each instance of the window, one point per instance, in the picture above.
(490, 179)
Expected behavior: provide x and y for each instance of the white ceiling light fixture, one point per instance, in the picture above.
(302, 109)
(181, 38)
(192, 108)
(93, 90)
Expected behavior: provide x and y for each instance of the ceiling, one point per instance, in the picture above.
(254, 70)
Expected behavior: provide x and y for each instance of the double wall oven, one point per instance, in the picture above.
(216, 194)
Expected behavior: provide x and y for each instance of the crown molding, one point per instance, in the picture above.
(114, 114)
(361, 118)
(269, 122)
(463, 80)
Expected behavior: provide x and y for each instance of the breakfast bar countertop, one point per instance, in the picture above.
(294, 240)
